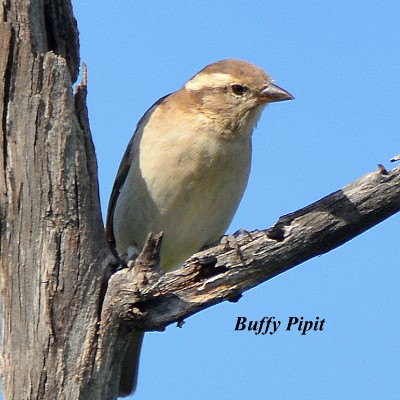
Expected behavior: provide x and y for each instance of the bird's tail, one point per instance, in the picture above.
(130, 365)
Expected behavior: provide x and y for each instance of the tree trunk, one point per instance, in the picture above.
(53, 251)
(67, 313)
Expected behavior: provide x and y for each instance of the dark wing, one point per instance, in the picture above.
(123, 171)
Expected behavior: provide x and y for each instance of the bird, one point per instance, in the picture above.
(185, 170)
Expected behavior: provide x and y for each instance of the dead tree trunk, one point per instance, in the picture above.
(66, 313)
(53, 252)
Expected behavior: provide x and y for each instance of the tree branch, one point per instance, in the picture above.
(245, 260)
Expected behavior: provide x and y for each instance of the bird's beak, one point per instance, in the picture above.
(272, 93)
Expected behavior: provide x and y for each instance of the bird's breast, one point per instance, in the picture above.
(191, 168)
(185, 182)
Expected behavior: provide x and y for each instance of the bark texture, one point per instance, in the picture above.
(53, 252)
(246, 259)
(67, 314)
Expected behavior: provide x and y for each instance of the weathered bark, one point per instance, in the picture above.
(53, 251)
(246, 259)
(66, 312)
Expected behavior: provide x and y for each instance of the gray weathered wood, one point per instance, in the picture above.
(53, 251)
(66, 313)
(242, 262)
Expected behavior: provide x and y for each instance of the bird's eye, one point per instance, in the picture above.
(238, 89)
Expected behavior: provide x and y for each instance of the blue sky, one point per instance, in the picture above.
(341, 60)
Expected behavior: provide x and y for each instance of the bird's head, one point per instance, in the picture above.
(233, 93)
